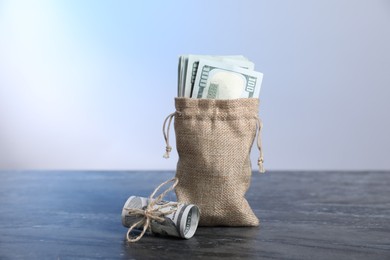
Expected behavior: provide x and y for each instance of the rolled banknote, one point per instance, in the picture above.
(183, 222)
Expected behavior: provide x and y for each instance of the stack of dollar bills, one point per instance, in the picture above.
(218, 77)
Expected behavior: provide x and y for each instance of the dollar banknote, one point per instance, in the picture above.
(220, 80)
(191, 69)
(183, 222)
(182, 71)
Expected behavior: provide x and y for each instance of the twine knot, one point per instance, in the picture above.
(153, 211)
(168, 120)
(168, 149)
(260, 163)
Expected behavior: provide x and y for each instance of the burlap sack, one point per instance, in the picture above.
(213, 140)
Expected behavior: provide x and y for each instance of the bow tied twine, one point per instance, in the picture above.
(153, 211)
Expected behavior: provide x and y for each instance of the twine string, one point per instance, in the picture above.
(153, 211)
(260, 161)
(168, 148)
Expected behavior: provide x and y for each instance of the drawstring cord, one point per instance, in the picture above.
(260, 161)
(168, 148)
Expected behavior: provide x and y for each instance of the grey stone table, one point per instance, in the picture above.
(304, 215)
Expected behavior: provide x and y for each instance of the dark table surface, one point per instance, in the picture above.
(304, 215)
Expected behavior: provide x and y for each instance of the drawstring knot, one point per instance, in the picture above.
(168, 148)
(261, 165)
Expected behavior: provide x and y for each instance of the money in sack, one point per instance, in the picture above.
(214, 139)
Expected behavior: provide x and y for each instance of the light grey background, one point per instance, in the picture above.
(87, 84)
